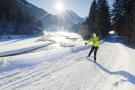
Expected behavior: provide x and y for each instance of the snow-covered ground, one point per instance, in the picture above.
(19, 45)
(64, 67)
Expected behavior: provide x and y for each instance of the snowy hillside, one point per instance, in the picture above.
(69, 18)
(18, 17)
(62, 66)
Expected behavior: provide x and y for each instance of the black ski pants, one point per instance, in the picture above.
(95, 49)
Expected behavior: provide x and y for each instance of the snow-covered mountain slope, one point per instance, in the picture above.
(23, 18)
(71, 18)
(65, 68)
(67, 19)
(20, 18)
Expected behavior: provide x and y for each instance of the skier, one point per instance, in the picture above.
(95, 41)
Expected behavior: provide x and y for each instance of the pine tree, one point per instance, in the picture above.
(128, 25)
(16, 16)
(92, 19)
(103, 18)
(118, 15)
(124, 19)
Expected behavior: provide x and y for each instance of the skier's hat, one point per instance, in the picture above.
(94, 34)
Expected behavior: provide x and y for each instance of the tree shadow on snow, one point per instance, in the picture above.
(113, 39)
(130, 77)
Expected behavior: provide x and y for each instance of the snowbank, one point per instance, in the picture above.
(21, 45)
(31, 59)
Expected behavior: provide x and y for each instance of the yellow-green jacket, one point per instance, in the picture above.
(95, 41)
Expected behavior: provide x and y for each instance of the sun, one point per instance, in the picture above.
(60, 8)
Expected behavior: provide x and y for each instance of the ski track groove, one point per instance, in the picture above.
(41, 80)
(31, 71)
(29, 75)
(41, 76)
(23, 73)
(72, 64)
(14, 73)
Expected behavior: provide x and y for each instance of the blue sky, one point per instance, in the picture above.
(81, 7)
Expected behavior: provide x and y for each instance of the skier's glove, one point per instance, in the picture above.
(86, 43)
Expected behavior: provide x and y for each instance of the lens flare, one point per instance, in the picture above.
(59, 7)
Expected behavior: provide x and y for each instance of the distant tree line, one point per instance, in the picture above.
(14, 19)
(121, 19)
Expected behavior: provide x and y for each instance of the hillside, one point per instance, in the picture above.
(21, 17)
(18, 17)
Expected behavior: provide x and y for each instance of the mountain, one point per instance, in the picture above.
(50, 21)
(67, 19)
(71, 18)
(21, 17)
(32, 10)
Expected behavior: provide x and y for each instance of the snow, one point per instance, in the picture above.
(65, 68)
(21, 45)
(112, 32)
(65, 39)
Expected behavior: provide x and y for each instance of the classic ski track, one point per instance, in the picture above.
(43, 75)
(62, 78)
(66, 81)
(34, 75)
(65, 66)
(24, 73)
(12, 73)
(32, 72)
(19, 74)
(57, 71)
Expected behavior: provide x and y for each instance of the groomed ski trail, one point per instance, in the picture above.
(70, 73)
